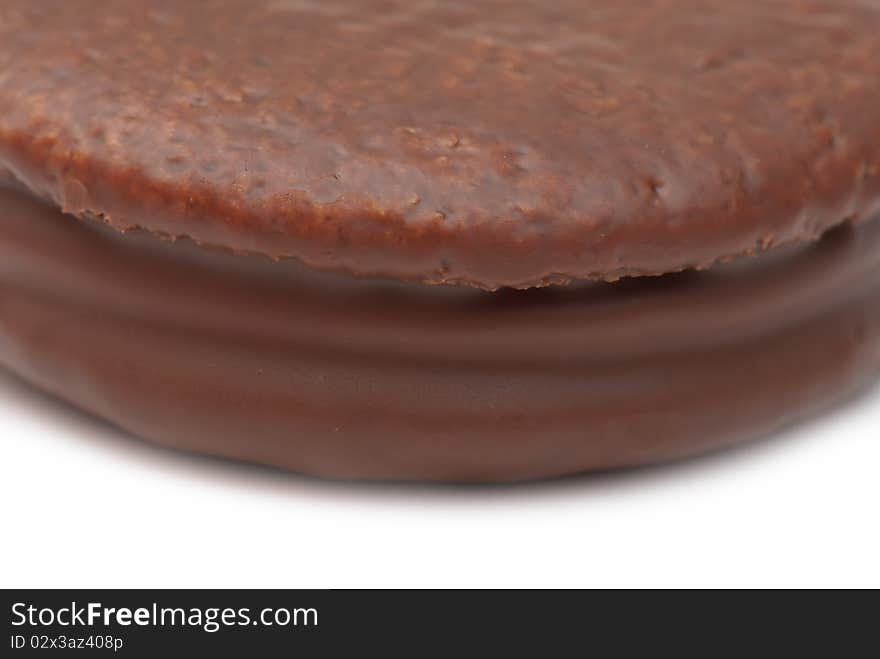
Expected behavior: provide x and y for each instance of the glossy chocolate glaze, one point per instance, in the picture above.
(490, 143)
(342, 377)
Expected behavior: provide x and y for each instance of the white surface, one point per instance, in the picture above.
(85, 505)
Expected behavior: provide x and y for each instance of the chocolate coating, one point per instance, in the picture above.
(492, 143)
(360, 378)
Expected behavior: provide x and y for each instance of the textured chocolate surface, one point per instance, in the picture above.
(358, 378)
(489, 143)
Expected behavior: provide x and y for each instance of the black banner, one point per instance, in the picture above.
(252, 623)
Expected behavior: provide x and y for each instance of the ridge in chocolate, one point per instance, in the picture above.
(358, 378)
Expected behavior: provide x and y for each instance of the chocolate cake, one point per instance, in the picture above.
(436, 240)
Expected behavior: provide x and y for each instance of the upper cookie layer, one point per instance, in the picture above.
(492, 143)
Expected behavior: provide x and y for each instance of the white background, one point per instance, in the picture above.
(86, 505)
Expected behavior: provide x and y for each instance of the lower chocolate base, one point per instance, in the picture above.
(267, 362)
